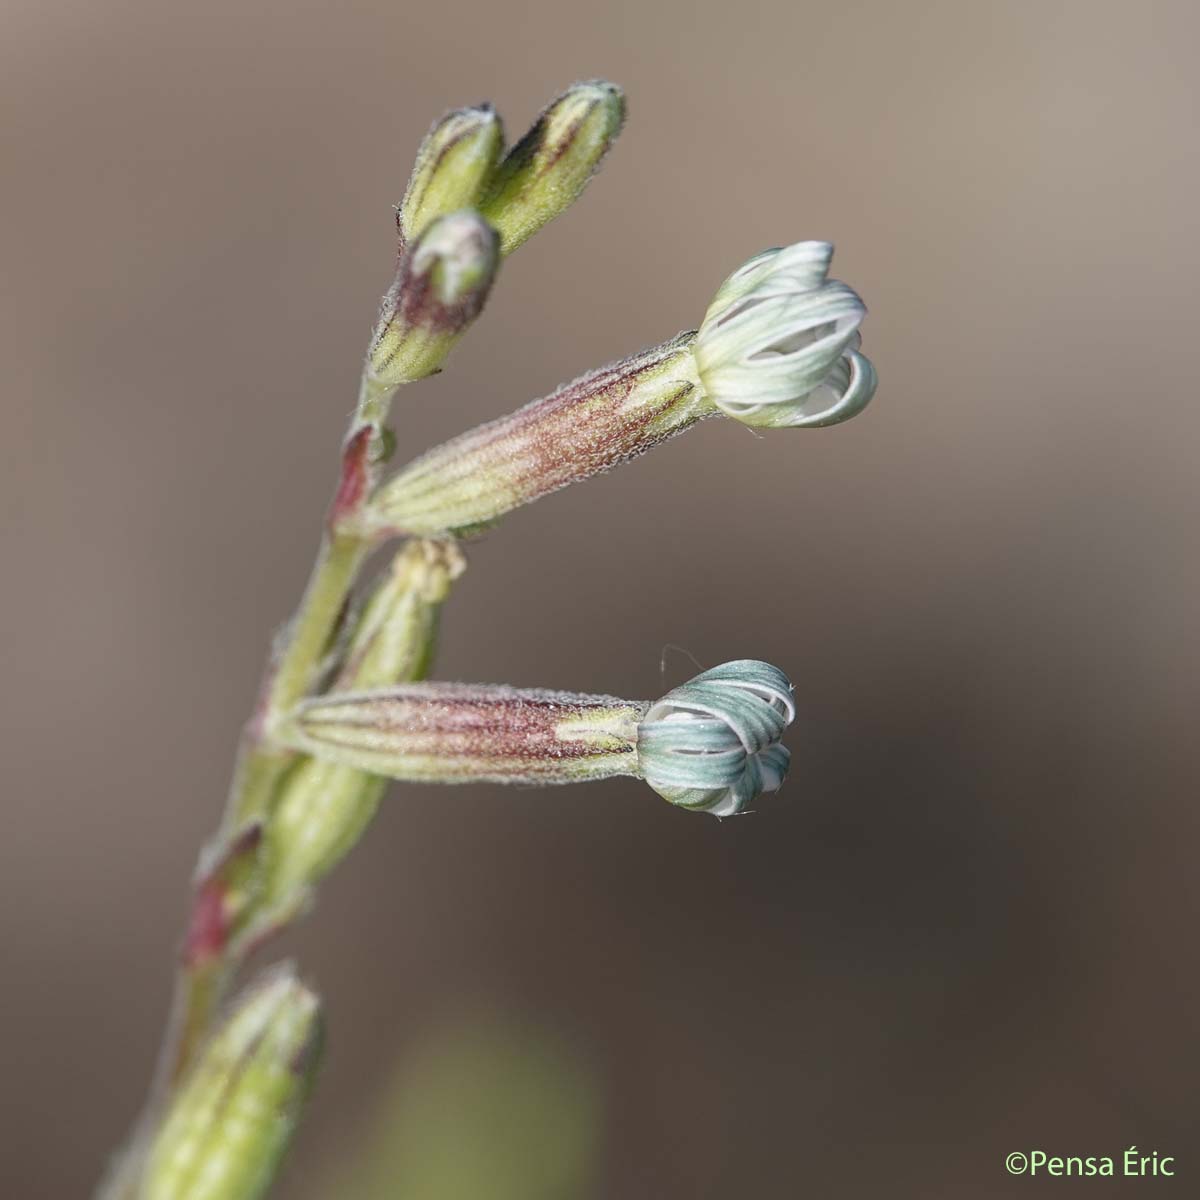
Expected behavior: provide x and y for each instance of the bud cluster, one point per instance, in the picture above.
(467, 205)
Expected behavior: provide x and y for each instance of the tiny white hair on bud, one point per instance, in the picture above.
(778, 346)
(713, 744)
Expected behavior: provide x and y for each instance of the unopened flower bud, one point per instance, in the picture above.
(712, 745)
(779, 344)
(544, 173)
(441, 284)
(227, 1127)
(600, 420)
(395, 637)
(452, 169)
(324, 807)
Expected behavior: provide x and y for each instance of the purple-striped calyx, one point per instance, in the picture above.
(466, 733)
(600, 420)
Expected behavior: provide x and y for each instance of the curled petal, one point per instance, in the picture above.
(777, 344)
(713, 743)
(844, 393)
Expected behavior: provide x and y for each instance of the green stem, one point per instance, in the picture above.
(336, 568)
(200, 987)
(199, 992)
(374, 400)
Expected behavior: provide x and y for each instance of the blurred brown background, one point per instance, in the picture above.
(967, 925)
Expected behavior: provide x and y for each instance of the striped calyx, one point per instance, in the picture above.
(600, 420)
(467, 733)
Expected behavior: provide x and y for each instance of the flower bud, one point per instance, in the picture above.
(227, 1128)
(441, 284)
(596, 422)
(324, 807)
(544, 173)
(779, 344)
(712, 745)
(470, 733)
(453, 166)
(396, 635)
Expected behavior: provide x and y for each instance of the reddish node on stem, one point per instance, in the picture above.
(352, 486)
(213, 915)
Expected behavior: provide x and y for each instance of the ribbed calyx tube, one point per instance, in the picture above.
(597, 422)
(465, 733)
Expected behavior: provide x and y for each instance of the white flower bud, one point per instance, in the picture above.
(779, 344)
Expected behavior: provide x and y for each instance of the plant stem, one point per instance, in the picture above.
(198, 990)
(200, 986)
(337, 566)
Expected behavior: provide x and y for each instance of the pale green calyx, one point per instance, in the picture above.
(230, 1122)
(779, 345)
(453, 167)
(713, 744)
(544, 173)
(442, 282)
